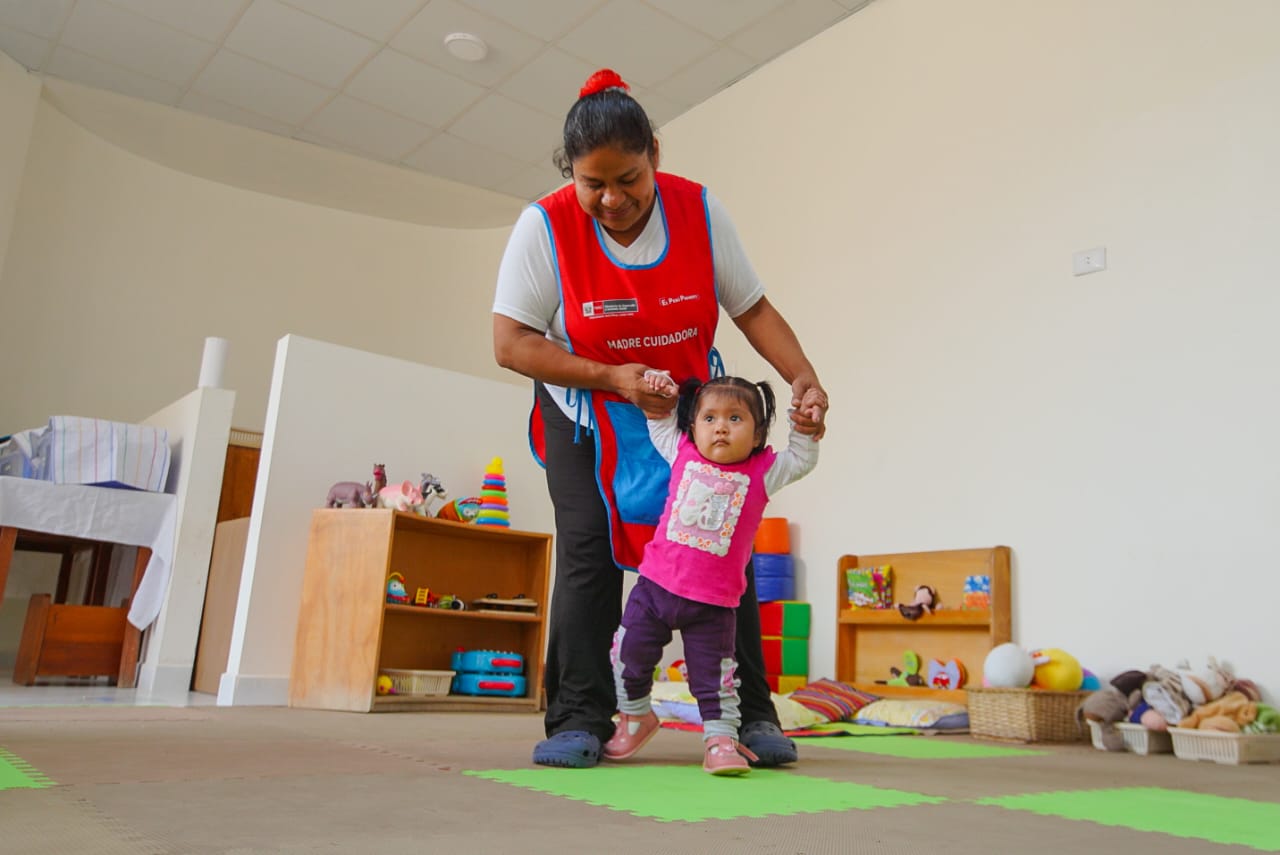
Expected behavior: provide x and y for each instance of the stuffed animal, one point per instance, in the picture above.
(1227, 714)
(1163, 692)
(1105, 707)
(1204, 684)
(1008, 666)
(925, 601)
(1056, 670)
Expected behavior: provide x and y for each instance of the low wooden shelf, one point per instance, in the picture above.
(871, 641)
(348, 632)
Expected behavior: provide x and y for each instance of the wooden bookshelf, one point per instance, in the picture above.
(871, 641)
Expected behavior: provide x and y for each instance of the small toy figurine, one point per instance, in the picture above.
(379, 477)
(349, 494)
(431, 490)
(401, 497)
(946, 675)
(395, 589)
(909, 675)
(460, 510)
(384, 686)
(926, 601)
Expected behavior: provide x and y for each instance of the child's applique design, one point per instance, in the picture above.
(707, 506)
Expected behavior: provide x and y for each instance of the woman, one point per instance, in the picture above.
(620, 272)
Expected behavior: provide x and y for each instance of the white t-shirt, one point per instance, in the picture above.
(528, 291)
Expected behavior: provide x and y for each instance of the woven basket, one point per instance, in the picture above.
(1025, 715)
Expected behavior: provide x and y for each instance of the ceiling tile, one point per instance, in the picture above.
(642, 45)
(130, 41)
(707, 76)
(368, 129)
(510, 128)
(38, 17)
(299, 43)
(458, 160)
(423, 38)
(413, 89)
(717, 18)
(72, 65)
(546, 19)
(27, 50)
(787, 27)
(246, 83)
(659, 108)
(198, 102)
(533, 183)
(549, 84)
(206, 19)
(376, 19)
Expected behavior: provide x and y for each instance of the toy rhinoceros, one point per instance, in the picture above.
(350, 494)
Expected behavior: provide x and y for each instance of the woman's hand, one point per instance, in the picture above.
(809, 405)
(630, 382)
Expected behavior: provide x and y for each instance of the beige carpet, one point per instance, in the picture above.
(246, 780)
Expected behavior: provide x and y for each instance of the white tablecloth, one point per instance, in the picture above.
(130, 517)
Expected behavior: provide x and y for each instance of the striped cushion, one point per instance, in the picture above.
(832, 699)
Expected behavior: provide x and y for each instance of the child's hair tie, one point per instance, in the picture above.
(605, 78)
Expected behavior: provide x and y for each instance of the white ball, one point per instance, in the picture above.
(1008, 666)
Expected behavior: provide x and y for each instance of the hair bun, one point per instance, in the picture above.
(605, 78)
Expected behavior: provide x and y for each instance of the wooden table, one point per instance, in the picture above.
(71, 639)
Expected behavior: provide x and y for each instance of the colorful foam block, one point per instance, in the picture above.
(784, 684)
(789, 618)
(785, 655)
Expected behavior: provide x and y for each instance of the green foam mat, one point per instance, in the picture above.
(854, 729)
(1217, 819)
(18, 774)
(688, 794)
(922, 748)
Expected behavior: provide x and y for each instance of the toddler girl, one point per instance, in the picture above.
(693, 575)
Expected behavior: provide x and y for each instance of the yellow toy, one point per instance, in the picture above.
(383, 686)
(1056, 670)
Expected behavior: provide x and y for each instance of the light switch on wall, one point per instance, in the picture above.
(1089, 261)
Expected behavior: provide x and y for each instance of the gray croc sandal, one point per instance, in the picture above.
(770, 745)
(569, 749)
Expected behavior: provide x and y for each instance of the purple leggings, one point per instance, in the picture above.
(651, 615)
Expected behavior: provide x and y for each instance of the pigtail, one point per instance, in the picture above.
(687, 405)
(766, 395)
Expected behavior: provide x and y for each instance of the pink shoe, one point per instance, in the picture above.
(725, 756)
(630, 735)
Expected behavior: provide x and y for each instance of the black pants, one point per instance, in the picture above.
(586, 604)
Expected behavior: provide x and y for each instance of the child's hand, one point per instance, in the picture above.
(660, 382)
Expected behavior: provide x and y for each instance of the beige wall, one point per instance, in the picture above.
(119, 268)
(912, 184)
(19, 93)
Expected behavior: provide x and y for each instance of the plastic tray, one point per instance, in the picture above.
(1137, 738)
(409, 682)
(1229, 748)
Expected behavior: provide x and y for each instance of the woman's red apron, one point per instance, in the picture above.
(662, 315)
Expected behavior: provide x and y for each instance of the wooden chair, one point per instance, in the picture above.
(74, 640)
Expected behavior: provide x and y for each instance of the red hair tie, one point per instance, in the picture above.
(605, 78)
